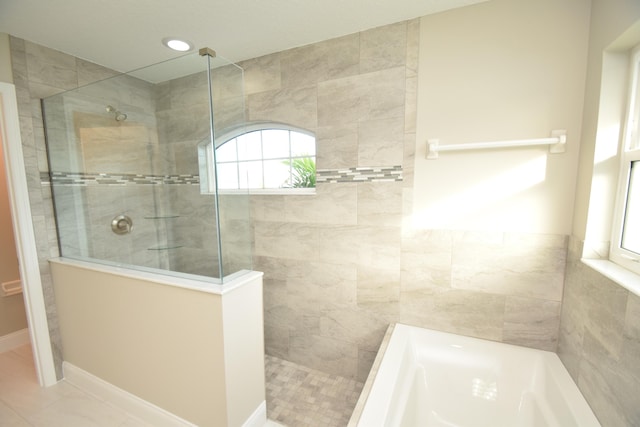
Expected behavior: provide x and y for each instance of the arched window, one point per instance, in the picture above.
(265, 157)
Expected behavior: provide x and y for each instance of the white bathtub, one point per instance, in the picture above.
(428, 378)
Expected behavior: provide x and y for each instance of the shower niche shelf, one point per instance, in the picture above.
(162, 217)
(164, 248)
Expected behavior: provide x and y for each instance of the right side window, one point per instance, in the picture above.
(625, 242)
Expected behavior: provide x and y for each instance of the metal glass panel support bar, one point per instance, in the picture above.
(210, 53)
(557, 144)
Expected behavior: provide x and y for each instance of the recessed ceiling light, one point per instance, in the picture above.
(177, 44)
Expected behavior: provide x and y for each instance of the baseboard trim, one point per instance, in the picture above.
(13, 340)
(259, 416)
(140, 408)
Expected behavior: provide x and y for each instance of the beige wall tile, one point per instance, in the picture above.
(426, 260)
(379, 247)
(88, 72)
(413, 46)
(293, 106)
(632, 318)
(380, 203)
(599, 341)
(267, 208)
(337, 146)
(408, 162)
(286, 240)
(276, 340)
(378, 284)
(365, 362)
(462, 312)
(411, 105)
(325, 354)
(604, 304)
(610, 391)
(262, 74)
(332, 204)
(227, 82)
(274, 268)
(343, 57)
(50, 67)
(354, 325)
(381, 142)
(532, 322)
(374, 96)
(184, 124)
(339, 244)
(383, 47)
(320, 61)
(533, 268)
(315, 287)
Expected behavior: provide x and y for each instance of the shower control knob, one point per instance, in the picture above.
(121, 224)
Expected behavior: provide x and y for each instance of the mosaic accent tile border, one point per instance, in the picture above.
(87, 179)
(361, 174)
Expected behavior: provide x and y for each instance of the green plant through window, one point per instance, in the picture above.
(303, 172)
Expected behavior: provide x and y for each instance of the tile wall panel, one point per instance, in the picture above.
(599, 341)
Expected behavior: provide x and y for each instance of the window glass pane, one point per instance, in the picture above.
(275, 144)
(276, 174)
(227, 152)
(302, 145)
(250, 174)
(260, 159)
(631, 226)
(249, 147)
(227, 176)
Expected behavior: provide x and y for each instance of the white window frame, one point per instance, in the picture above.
(630, 152)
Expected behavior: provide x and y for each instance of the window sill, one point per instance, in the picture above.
(620, 275)
(271, 191)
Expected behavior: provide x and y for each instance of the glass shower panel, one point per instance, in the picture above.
(227, 93)
(123, 159)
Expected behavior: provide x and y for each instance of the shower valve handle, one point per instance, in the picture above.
(121, 224)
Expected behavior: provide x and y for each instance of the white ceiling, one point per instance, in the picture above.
(126, 34)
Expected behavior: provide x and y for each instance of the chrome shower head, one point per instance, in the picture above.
(119, 115)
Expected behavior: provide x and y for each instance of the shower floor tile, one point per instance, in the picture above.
(298, 396)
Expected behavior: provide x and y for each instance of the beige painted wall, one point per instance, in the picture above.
(182, 350)
(12, 314)
(501, 70)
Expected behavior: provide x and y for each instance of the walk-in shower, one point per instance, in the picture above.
(125, 159)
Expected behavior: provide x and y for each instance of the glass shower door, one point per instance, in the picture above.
(125, 173)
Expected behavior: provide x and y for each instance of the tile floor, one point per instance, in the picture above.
(23, 403)
(296, 397)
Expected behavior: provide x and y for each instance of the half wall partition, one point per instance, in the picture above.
(125, 169)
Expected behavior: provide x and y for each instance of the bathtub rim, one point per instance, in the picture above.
(368, 385)
(234, 282)
(401, 334)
